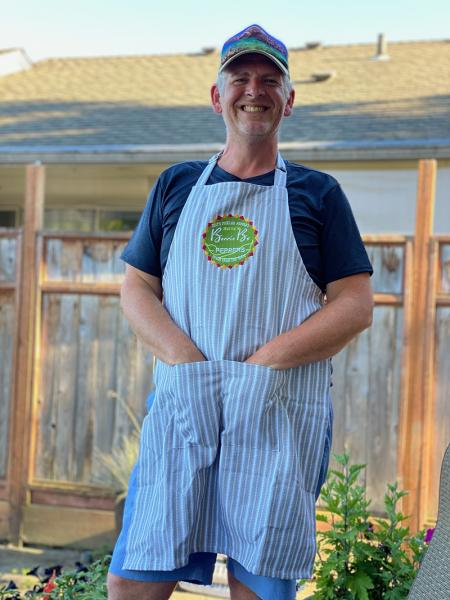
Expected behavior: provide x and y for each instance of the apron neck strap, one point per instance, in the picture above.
(208, 169)
(280, 172)
(279, 178)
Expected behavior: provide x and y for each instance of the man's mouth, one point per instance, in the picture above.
(252, 108)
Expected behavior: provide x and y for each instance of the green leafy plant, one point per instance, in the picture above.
(83, 585)
(359, 559)
(87, 583)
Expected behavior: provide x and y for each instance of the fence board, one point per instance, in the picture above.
(107, 314)
(88, 336)
(8, 254)
(87, 375)
(366, 395)
(445, 268)
(63, 260)
(46, 410)
(134, 379)
(388, 265)
(384, 405)
(61, 315)
(65, 397)
(351, 395)
(84, 260)
(7, 326)
(441, 421)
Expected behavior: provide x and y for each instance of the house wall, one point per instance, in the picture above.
(382, 193)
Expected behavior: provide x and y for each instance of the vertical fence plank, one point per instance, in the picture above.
(7, 322)
(23, 387)
(87, 377)
(414, 412)
(46, 417)
(441, 418)
(429, 376)
(403, 439)
(381, 426)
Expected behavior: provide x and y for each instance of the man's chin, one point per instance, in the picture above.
(258, 133)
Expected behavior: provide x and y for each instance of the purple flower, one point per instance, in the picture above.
(429, 535)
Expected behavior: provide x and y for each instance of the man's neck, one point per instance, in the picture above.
(245, 160)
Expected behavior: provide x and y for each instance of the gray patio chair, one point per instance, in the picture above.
(433, 579)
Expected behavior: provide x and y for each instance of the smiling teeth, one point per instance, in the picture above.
(253, 108)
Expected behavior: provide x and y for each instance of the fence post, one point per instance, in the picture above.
(21, 423)
(411, 435)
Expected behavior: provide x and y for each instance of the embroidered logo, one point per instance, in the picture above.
(229, 240)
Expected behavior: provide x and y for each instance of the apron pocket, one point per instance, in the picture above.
(251, 414)
(195, 393)
(309, 425)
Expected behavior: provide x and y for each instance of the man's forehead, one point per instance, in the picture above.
(252, 60)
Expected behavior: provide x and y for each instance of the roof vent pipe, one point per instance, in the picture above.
(382, 53)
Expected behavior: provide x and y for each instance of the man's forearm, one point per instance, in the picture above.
(153, 325)
(321, 336)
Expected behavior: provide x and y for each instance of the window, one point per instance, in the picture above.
(8, 218)
(115, 220)
(69, 219)
(84, 219)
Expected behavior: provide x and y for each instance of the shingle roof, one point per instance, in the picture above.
(164, 100)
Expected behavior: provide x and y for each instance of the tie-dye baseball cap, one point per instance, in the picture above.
(254, 39)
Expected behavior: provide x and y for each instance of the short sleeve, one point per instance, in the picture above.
(343, 251)
(144, 248)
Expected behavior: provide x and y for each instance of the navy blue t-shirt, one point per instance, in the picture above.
(322, 220)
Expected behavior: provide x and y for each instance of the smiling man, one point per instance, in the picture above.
(226, 279)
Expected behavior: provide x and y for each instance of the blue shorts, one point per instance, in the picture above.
(201, 565)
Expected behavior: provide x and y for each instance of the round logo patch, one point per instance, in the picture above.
(229, 240)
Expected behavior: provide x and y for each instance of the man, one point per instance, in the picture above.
(225, 282)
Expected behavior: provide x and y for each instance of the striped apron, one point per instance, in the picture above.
(231, 451)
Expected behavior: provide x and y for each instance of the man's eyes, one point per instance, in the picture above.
(268, 81)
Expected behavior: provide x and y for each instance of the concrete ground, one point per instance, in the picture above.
(16, 561)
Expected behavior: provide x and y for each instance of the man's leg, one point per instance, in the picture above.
(129, 589)
(239, 591)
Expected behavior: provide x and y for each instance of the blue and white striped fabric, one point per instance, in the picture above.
(231, 451)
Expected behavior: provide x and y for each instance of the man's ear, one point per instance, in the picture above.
(289, 103)
(215, 99)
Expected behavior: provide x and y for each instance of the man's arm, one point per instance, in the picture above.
(141, 300)
(348, 311)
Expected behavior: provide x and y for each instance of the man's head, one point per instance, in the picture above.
(253, 89)
(254, 40)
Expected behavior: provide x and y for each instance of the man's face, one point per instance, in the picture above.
(253, 99)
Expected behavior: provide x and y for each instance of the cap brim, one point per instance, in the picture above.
(278, 63)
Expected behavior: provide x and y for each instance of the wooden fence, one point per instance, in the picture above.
(65, 346)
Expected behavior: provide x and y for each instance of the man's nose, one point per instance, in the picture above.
(254, 88)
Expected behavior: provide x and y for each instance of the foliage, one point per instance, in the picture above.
(358, 559)
(84, 583)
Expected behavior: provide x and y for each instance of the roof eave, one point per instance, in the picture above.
(358, 150)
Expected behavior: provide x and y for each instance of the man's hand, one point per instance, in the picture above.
(141, 300)
(348, 311)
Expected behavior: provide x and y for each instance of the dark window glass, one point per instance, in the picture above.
(118, 220)
(71, 219)
(7, 218)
